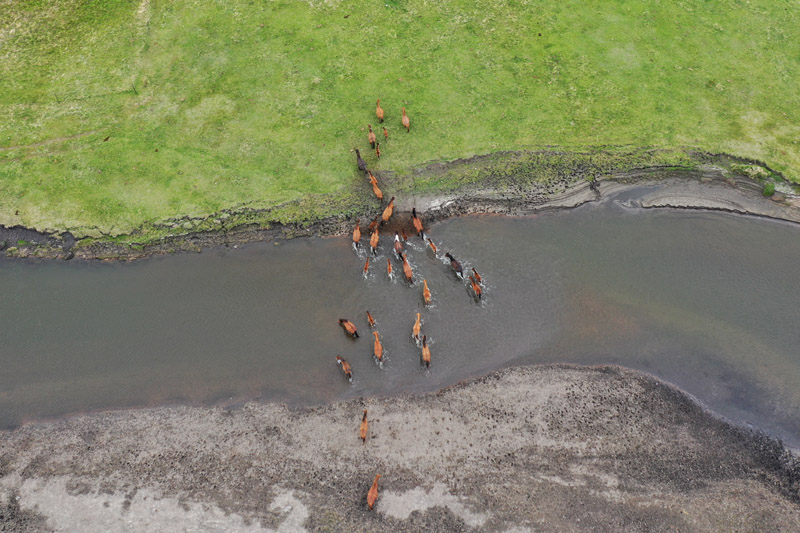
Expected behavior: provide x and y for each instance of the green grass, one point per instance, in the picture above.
(253, 103)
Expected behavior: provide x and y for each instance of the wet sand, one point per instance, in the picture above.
(541, 448)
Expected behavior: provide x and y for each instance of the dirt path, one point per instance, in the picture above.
(548, 448)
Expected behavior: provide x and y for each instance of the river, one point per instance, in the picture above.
(706, 301)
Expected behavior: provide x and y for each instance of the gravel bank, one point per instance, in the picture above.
(544, 448)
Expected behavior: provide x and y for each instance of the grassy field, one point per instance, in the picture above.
(212, 105)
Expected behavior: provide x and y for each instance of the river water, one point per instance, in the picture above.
(707, 301)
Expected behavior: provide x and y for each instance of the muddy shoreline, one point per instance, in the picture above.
(556, 447)
(712, 182)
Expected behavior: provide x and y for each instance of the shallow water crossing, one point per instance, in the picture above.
(706, 301)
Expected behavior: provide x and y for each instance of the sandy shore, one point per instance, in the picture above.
(545, 448)
(709, 189)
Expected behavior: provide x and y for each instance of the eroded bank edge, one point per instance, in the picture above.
(503, 182)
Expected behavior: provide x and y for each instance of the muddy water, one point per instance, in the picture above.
(706, 301)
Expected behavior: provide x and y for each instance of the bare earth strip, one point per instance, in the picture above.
(543, 448)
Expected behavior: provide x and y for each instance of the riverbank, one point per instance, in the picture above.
(192, 111)
(512, 183)
(543, 447)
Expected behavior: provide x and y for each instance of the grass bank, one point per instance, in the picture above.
(210, 107)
